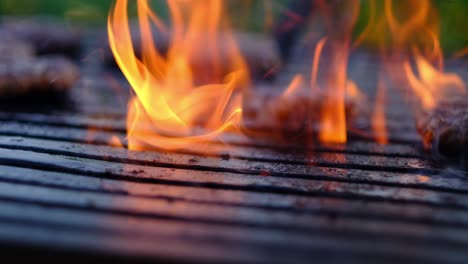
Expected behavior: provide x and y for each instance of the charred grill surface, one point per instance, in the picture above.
(64, 189)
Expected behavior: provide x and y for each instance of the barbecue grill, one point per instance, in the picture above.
(64, 191)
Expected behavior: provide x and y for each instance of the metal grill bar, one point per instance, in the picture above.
(62, 187)
(400, 132)
(321, 204)
(220, 163)
(97, 137)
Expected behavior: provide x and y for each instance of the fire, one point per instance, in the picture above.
(316, 106)
(179, 100)
(193, 94)
(115, 141)
(379, 123)
(340, 19)
(333, 122)
(423, 66)
(195, 91)
(461, 53)
(431, 83)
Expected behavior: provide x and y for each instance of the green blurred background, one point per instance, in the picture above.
(250, 14)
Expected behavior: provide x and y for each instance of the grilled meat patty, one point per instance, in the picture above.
(444, 129)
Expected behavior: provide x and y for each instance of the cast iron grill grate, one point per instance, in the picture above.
(63, 188)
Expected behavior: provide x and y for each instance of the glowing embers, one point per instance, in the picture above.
(179, 102)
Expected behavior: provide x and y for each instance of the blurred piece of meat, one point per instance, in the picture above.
(44, 74)
(47, 35)
(22, 73)
(292, 118)
(444, 130)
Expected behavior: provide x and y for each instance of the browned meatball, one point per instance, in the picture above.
(444, 129)
(22, 76)
(292, 119)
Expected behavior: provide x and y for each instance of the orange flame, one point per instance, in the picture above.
(179, 99)
(333, 123)
(295, 86)
(341, 17)
(461, 53)
(379, 123)
(431, 84)
(115, 141)
(418, 34)
(327, 107)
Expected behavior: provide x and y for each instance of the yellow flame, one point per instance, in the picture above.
(379, 123)
(329, 111)
(179, 99)
(416, 35)
(341, 17)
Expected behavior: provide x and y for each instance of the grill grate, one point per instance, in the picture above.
(61, 189)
